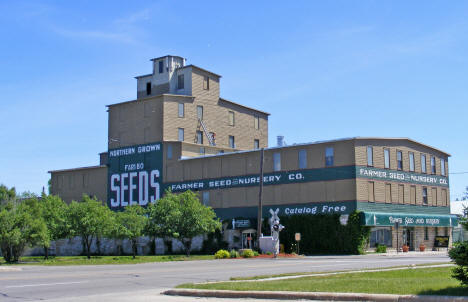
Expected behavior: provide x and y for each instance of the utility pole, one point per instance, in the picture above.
(260, 196)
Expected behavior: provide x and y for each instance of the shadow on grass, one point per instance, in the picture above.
(448, 291)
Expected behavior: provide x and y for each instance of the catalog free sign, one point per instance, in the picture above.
(134, 175)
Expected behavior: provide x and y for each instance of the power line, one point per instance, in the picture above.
(458, 172)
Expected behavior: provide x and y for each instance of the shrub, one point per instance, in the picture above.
(269, 253)
(380, 248)
(247, 253)
(459, 254)
(255, 253)
(221, 254)
(234, 254)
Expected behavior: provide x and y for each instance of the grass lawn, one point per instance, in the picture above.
(97, 260)
(421, 281)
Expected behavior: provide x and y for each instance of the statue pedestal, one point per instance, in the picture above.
(267, 244)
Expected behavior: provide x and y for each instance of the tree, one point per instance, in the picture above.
(130, 224)
(6, 195)
(192, 218)
(89, 219)
(162, 217)
(54, 212)
(21, 225)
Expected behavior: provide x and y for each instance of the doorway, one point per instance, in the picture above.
(408, 237)
(248, 239)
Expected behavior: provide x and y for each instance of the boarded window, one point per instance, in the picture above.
(444, 197)
(231, 118)
(370, 191)
(206, 83)
(256, 122)
(413, 194)
(401, 194)
(434, 196)
(388, 193)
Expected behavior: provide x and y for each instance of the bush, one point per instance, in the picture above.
(247, 253)
(234, 254)
(269, 253)
(459, 254)
(327, 235)
(222, 254)
(380, 248)
(255, 253)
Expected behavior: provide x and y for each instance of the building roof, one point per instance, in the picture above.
(240, 105)
(76, 169)
(320, 142)
(145, 75)
(154, 59)
(199, 68)
(150, 97)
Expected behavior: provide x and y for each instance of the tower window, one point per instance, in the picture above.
(206, 83)
(161, 66)
(232, 143)
(180, 81)
(148, 88)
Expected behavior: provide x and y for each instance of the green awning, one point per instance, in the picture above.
(408, 219)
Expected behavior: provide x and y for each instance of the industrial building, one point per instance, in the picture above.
(180, 134)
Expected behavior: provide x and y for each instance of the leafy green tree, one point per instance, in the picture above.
(89, 219)
(21, 225)
(162, 217)
(6, 195)
(131, 224)
(54, 212)
(192, 218)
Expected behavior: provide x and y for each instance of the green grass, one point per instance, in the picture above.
(424, 281)
(310, 273)
(98, 260)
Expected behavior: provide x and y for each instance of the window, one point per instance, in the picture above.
(302, 159)
(232, 143)
(370, 157)
(276, 161)
(206, 83)
(423, 163)
(388, 193)
(442, 167)
(381, 236)
(411, 161)
(424, 196)
(181, 134)
(199, 137)
(148, 88)
(206, 198)
(413, 194)
(386, 153)
(180, 81)
(401, 194)
(329, 156)
(231, 118)
(181, 110)
(256, 144)
(213, 138)
(399, 156)
(256, 122)
(200, 112)
(370, 191)
(169, 151)
(161, 66)
(426, 233)
(202, 150)
(433, 166)
(434, 197)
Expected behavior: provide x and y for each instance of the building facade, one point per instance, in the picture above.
(179, 134)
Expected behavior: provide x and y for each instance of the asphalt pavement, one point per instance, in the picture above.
(145, 282)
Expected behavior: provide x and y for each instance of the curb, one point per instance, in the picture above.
(283, 295)
(10, 269)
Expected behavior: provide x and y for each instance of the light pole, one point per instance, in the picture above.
(260, 196)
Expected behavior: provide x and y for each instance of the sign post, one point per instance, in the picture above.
(297, 236)
(397, 226)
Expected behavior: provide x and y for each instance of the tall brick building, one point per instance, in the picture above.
(179, 134)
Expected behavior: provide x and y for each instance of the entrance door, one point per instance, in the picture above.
(248, 239)
(408, 238)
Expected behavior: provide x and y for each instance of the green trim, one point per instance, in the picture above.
(401, 176)
(408, 219)
(400, 208)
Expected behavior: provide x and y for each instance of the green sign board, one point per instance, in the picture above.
(389, 219)
(135, 175)
(400, 176)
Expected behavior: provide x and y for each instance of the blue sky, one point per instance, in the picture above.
(323, 70)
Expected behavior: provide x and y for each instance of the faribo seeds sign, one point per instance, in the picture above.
(135, 175)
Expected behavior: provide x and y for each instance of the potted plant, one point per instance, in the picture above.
(405, 248)
(422, 247)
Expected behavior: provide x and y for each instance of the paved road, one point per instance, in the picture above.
(144, 282)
